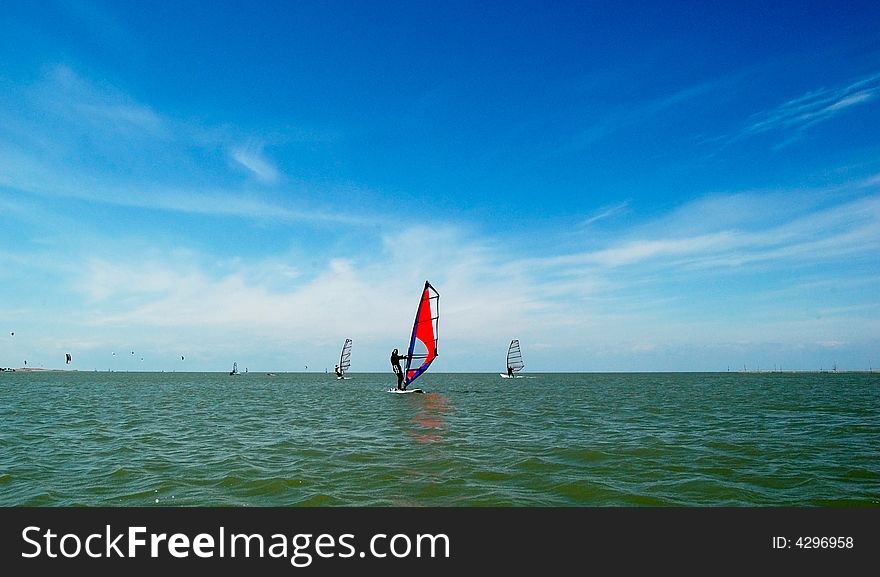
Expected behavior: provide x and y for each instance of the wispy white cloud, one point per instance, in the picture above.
(251, 157)
(653, 249)
(23, 173)
(727, 239)
(605, 213)
(830, 344)
(373, 293)
(233, 203)
(870, 181)
(77, 139)
(814, 107)
(95, 111)
(638, 111)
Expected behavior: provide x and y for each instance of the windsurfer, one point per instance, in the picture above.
(510, 371)
(338, 371)
(395, 366)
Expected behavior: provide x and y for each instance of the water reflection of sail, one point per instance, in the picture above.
(429, 421)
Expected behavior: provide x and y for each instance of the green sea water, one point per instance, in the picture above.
(561, 440)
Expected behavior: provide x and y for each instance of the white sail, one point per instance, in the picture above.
(514, 359)
(344, 359)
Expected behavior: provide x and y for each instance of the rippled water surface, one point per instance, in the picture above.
(664, 439)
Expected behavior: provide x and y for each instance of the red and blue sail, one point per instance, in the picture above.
(423, 342)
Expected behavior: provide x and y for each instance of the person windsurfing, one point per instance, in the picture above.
(510, 371)
(395, 366)
(338, 371)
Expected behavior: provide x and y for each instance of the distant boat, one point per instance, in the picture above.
(344, 360)
(514, 361)
(234, 370)
(424, 338)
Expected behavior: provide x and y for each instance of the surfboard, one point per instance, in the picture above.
(399, 392)
(506, 376)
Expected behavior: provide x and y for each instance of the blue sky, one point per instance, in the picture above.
(622, 186)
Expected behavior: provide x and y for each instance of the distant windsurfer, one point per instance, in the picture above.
(510, 371)
(338, 372)
(395, 366)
